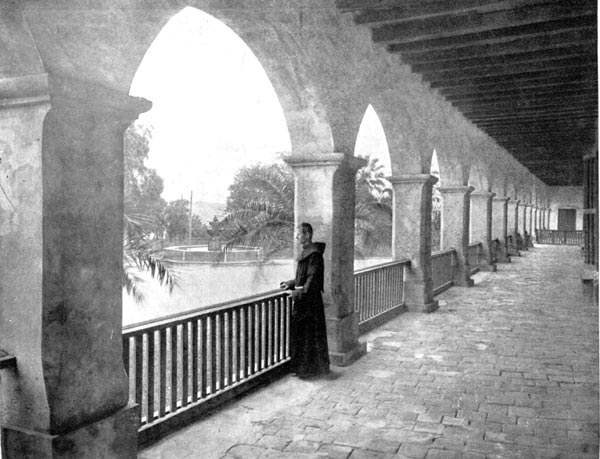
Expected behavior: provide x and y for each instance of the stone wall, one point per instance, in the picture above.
(566, 197)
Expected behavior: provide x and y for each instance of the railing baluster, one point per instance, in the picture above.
(150, 347)
(257, 354)
(281, 306)
(195, 359)
(218, 352)
(174, 365)
(202, 357)
(234, 345)
(243, 343)
(139, 370)
(185, 364)
(210, 360)
(276, 332)
(269, 333)
(288, 311)
(251, 339)
(162, 371)
(263, 335)
(226, 341)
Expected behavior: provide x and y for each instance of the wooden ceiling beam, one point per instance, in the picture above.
(548, 66)
(554, 129)
(526, 116)
(518, 105)
(534, 86)
(411, 11)
(569, 38)
(525, 98)
(523, 75)
(494, 36)
(587, 53)
(538, 142)
(515, 122)
(416, 7)
(473, 22)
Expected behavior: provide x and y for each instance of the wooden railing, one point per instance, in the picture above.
(179, 363)
(560, 237)
(442, 264)
(182, 361)
(473, 257)
(379, 293)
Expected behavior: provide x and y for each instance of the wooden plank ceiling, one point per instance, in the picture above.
(524, 71)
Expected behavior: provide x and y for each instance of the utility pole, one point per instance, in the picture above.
(190, 233)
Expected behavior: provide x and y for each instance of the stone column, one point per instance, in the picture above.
(545, 218)
(481, 226)
(512, 226)
(325, 198)
(499, 227)
(548, 215)
(455, 229)
(411, 238)
(511, 216)
(534, 222)
(524, 211)
(531, 224)
(62, 318)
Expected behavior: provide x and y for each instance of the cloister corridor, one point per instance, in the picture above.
(505, 369)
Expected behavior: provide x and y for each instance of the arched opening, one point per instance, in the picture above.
(436, 206)
(211, 141)
(373, 214)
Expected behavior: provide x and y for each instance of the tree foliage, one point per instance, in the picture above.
(373, 213)
(143, 186)
(260, 208)
(143, 222)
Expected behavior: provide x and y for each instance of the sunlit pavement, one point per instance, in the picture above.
(506, 369)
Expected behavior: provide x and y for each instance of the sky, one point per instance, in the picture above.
(214, 109)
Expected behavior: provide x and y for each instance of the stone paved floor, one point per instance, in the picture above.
(506, 369)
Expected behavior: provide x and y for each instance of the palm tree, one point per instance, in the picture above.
(140, 254)
(261, 208)
(373, 213)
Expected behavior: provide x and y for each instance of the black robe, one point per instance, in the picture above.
(308, 332)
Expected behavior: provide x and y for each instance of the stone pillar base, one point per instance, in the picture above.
(344, 359)
(342, 340)
(491, 267)
(462, 278)
(463, 282)
(423, 307)
(418, 296)
(114, 437)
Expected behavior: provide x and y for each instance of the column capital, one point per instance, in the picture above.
(483, 194)
(497, 198)
(325, 159)
(414, 178)
(96, 98)
(456, 189)
(514, 201)
(24, 90)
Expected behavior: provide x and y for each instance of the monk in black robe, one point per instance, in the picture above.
(308, 333)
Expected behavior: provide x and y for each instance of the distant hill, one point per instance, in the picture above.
(207, 210)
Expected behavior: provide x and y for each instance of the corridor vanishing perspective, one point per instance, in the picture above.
(505, 369)
(486, 114)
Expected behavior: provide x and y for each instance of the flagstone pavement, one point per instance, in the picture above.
(505, 369)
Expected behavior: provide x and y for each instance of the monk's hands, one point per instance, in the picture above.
(284, 285)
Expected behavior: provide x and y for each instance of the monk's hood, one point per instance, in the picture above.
(312, 248)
